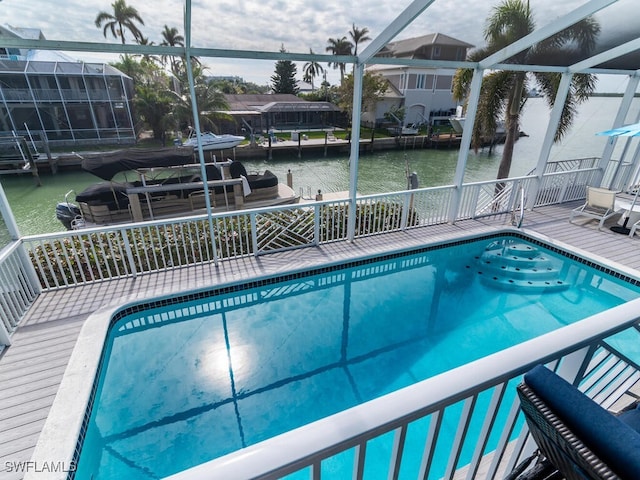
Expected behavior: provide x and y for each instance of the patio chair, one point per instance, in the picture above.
(600, 204)
(579, 437)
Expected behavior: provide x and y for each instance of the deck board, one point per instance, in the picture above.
(31, 369)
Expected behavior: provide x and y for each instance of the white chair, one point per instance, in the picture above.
(600, 205)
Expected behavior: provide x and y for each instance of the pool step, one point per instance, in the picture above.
(511, 264)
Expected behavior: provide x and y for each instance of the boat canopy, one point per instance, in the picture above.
(107, 165)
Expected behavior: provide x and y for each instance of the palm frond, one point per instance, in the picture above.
(510, 21)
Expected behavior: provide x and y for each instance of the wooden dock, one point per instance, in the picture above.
(333, 143)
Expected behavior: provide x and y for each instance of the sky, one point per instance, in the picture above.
(266, 25)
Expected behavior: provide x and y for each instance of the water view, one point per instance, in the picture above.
(382, 171)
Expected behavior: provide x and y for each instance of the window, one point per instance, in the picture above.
(420, 81)
(436, 52)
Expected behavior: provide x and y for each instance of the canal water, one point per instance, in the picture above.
(381, 171)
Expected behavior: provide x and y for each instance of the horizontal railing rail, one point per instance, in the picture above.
(571, 164)
(463, 423)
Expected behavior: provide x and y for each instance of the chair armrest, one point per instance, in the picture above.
(615, 442)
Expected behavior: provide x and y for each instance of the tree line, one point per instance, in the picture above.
(502, 94)
(162, 101)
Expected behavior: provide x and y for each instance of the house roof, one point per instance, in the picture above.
(275, 102)
(48, 56)
(392, 91)
(24, 33)
(253, 101)
(410, 46)
(35, 55)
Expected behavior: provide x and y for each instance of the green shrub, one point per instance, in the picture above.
(88, 257)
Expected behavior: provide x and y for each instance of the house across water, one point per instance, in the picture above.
(281, 111)
(423, 91)
(61, 100)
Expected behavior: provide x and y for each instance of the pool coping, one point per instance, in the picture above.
(65, 425)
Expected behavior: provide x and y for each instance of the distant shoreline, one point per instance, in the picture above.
(611, 94)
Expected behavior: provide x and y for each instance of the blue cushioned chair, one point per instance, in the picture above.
(582, 439)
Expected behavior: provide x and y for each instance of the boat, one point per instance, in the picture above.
(457, 122)
(211, 141)
(146, 184)
(411, 129)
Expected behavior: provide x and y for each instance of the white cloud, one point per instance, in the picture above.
(267, 24)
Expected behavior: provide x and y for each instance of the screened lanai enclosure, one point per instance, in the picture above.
(591, 354)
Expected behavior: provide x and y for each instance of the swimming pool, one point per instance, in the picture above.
(228, 368)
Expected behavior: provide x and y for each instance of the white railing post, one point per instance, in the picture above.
(316, 225)
(29, 269)
(5, 339)
(254, 233)
(407, 204)
(14, 233)
(358, 73)
(467, 132)
(563, 188)
(127, 249)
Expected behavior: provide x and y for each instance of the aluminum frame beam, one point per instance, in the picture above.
(545, 32)
(396, 26)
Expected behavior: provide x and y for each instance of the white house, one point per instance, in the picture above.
(424, 92)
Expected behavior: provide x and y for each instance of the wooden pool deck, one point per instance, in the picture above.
(32, 368)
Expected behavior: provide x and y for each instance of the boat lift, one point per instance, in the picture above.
(17, 157)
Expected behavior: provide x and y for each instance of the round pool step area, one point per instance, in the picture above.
(512, 264)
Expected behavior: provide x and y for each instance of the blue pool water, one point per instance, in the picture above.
(186, 381)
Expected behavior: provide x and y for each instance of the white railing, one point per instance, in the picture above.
(70, 258)
(491, 197)
(18, 289)
(565, 186)
(571, 165)
(463, 424)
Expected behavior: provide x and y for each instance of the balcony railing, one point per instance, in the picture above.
(465, 423)
(18, 289)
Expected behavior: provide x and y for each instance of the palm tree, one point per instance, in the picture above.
(172, 38)
(311, 70)
(145, 41)
(210, 100)
(503, 93)
(358, 35)
(123, 17)
(339, 46)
